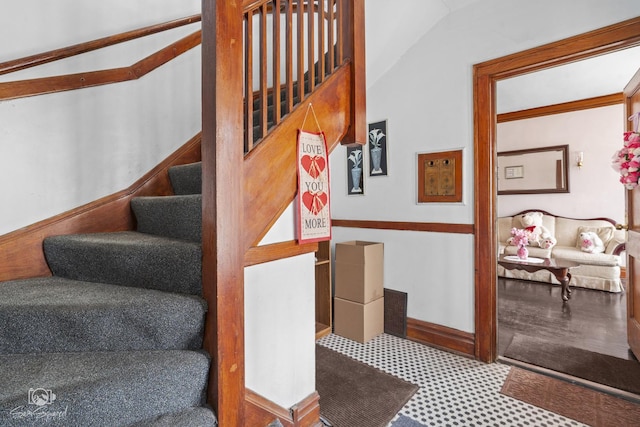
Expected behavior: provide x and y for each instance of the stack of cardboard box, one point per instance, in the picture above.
(358, 305)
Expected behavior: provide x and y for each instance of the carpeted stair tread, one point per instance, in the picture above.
(54, 314)
(127, 258)
(186, 179)
(192, 417)
(257, 131)
(258, 113)
(103, 388)
(178, 217)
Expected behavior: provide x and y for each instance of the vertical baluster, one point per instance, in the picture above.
(223, 222)
(321, 51)
(276, 62)
(264, 125)
(340, 25)
(331, 35)
(352, 22)
(300, 44)
(289, 54)
(311, 45)
(248, 81)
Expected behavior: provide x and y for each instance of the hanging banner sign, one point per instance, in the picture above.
(314, 217)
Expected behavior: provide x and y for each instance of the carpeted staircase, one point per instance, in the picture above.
(114, 338)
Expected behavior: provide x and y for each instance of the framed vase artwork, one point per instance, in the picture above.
(378, 148)
(355, 177)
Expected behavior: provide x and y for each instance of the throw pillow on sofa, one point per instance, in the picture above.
(604, 233)
(591, 243)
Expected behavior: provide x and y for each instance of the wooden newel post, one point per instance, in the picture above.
(222, 206)
(354, 49)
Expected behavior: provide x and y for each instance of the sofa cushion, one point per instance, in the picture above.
(572, 254)
(566, 231)
(504, 228)
(604, 233)
(619, 238)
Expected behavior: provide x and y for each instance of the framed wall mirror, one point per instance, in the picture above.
(534, 171)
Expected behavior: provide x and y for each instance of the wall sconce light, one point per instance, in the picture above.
(579, 159)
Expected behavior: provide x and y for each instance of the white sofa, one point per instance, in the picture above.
(596, 271)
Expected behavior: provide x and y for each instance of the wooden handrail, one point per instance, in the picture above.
(277, 251)
(66, 52)
(41, 86)
(248, 5)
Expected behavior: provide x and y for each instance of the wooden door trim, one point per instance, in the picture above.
(485, 75)
(565, 107)
(631, 106)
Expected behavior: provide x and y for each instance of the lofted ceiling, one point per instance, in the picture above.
(392, 27)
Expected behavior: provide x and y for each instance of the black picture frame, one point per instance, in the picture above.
(377, 143)
(355, 175)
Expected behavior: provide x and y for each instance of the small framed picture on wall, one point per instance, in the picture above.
(378, 148)
(355, 178)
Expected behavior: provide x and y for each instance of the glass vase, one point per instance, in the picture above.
(523, 252)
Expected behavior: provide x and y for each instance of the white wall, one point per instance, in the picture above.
(594, 189)
(427, 98)
(280, 322)
(392, 27)
(29, 27)
(63, 150)
(427, 267)
(280, 329)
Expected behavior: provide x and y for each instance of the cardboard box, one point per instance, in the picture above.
(359, 271)
(358, 322)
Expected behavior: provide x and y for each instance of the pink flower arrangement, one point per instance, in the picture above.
(626, 161)
(520, 237)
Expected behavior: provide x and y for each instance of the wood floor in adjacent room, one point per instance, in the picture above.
(592, 320)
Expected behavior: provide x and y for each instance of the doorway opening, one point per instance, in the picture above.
(609, 39)
(531, 311)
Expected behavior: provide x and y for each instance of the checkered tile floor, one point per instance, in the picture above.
(454, 390)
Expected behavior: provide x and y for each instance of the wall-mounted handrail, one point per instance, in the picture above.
(66, 52)
(45, 85)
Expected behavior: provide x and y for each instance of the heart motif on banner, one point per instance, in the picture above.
(313, 165)
(314, 202)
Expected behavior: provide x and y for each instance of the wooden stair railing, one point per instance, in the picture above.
(31, 87)
(253, 190)
(57, 54)
(243, 195)
(296, 36)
